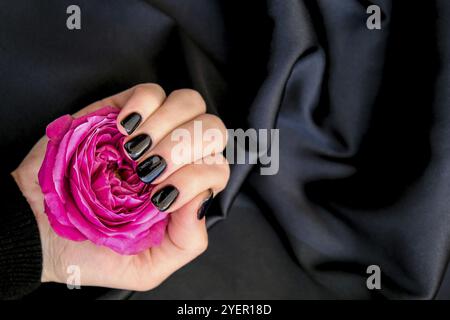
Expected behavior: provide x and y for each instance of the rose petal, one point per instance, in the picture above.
(91, 189)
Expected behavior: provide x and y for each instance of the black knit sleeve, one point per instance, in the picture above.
(20, 246)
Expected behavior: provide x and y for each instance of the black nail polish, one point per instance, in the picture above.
(164, 198)
(131, 122)
(137, 146)
(205, 205)
(150, 169)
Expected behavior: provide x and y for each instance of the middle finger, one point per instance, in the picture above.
(179, 107)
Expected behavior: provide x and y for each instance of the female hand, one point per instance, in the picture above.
(185, 185)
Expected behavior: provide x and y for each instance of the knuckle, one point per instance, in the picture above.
(152, 89)
(197, 171)
(226, 137)
(218, 171)
(190, 96)
(213, 121)
(225, 167)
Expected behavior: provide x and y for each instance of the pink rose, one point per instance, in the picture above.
(91, 189)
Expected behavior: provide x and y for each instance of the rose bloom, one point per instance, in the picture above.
(90, 187)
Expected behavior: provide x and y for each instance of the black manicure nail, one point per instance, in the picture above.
(137, 146)
(164, 198)
(150, 169)
(205, 205)
(131, 122)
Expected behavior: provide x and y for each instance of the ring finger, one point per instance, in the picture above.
(189, 181)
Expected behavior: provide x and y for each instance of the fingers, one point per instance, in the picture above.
(150, 119)
(180, 107)
(188, 143)
(152, 130)
(186, 181)
(143, 102)
(211, 173)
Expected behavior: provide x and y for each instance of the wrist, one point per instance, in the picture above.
(35, 201)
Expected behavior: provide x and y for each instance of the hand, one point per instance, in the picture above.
(186, 235)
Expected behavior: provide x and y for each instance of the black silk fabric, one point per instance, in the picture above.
(364, 115)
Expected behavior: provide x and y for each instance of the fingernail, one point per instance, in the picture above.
(150, 169)
(131, 122)
(137, 146)
(205, 205)
(164, 198)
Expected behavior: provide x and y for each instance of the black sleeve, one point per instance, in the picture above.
(20, 246)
